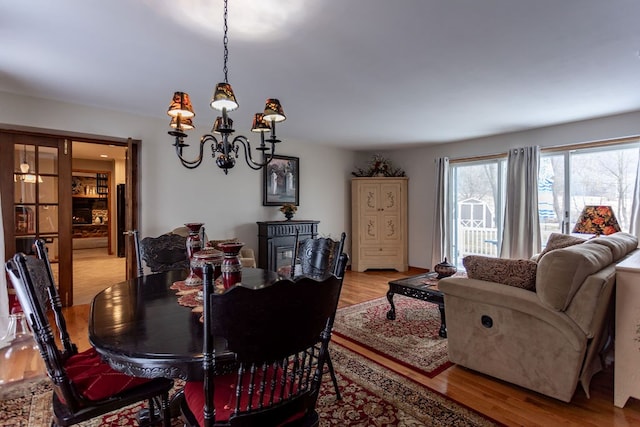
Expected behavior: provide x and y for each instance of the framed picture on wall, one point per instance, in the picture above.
(281, 181)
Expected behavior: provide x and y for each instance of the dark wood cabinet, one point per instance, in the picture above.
(102, 184)
(276, 239)
(91, 210)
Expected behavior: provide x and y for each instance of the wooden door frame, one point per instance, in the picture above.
(8, 136)
(131, 206)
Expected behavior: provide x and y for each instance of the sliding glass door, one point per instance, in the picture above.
(477, 208)
(570, 180)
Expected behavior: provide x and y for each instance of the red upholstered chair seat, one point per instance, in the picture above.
(224, 396)
(94, 379)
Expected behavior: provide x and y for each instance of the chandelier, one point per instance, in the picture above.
(225, 147)
(25, 168)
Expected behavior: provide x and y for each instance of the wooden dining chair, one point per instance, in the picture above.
(341, 266)
(163, 253)
(54, 300)
(319, 257)
(84, 385)
(280, 335)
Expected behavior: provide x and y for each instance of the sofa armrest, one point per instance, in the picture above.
(508, 333)
(512, 298)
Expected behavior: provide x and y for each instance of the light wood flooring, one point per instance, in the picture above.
(508, 404)
(94, 270)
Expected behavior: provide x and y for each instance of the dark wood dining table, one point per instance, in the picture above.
(140, 329)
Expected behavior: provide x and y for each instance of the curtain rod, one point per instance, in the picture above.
(568, 147)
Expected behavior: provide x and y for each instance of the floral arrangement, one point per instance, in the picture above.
(379, 166)
(288, 208)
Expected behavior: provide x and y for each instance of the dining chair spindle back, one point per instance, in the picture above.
(280, 334)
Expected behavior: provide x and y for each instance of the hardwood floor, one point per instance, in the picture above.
(94, 270)
(506, 403)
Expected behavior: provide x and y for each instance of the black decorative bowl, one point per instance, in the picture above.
(445, 269)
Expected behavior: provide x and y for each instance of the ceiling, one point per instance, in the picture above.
(104, 152)
(360, 74)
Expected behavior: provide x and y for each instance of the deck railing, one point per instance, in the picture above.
(477, 241)
(484, 241)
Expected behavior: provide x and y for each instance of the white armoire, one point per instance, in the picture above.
(379, 223)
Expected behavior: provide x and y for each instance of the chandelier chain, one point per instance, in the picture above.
(225, 41)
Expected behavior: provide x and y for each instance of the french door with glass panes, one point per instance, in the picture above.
(36, 200)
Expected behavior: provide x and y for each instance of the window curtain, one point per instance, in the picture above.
(4, 298)
(521, 233)
(634, 221)
(440, 241)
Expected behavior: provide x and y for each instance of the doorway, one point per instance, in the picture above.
(98, 172)
(37, 203)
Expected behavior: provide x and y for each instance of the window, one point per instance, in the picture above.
(567, 181)
(551, 195)
(478, 191)
(572, 179)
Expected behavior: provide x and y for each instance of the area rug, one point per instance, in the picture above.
(411, 339)
(371, 396)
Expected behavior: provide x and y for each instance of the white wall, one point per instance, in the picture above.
(419, 165)
(172, 195)
(230, 205)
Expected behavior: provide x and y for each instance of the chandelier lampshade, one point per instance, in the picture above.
(223, 97)
(181, 106)
(218, 125)
(273, 111)
(186, 124)
(259, 124)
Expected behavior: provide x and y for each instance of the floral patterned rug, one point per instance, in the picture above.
(371, 396)
(411, 339)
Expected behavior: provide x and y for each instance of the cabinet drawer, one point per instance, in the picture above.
(368, 252)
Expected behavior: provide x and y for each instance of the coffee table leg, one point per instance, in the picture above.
(443, 322)
(391, 314)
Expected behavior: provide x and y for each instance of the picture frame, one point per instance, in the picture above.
(281, 181)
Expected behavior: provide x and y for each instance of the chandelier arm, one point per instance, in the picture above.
(189, 164)
(246, 145)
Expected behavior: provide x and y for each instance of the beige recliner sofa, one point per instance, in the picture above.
(546, 339)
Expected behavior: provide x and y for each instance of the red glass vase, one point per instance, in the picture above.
(231, 266)
(194, 244)
(207, 256)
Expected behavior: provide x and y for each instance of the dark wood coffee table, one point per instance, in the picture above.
(423, 287)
